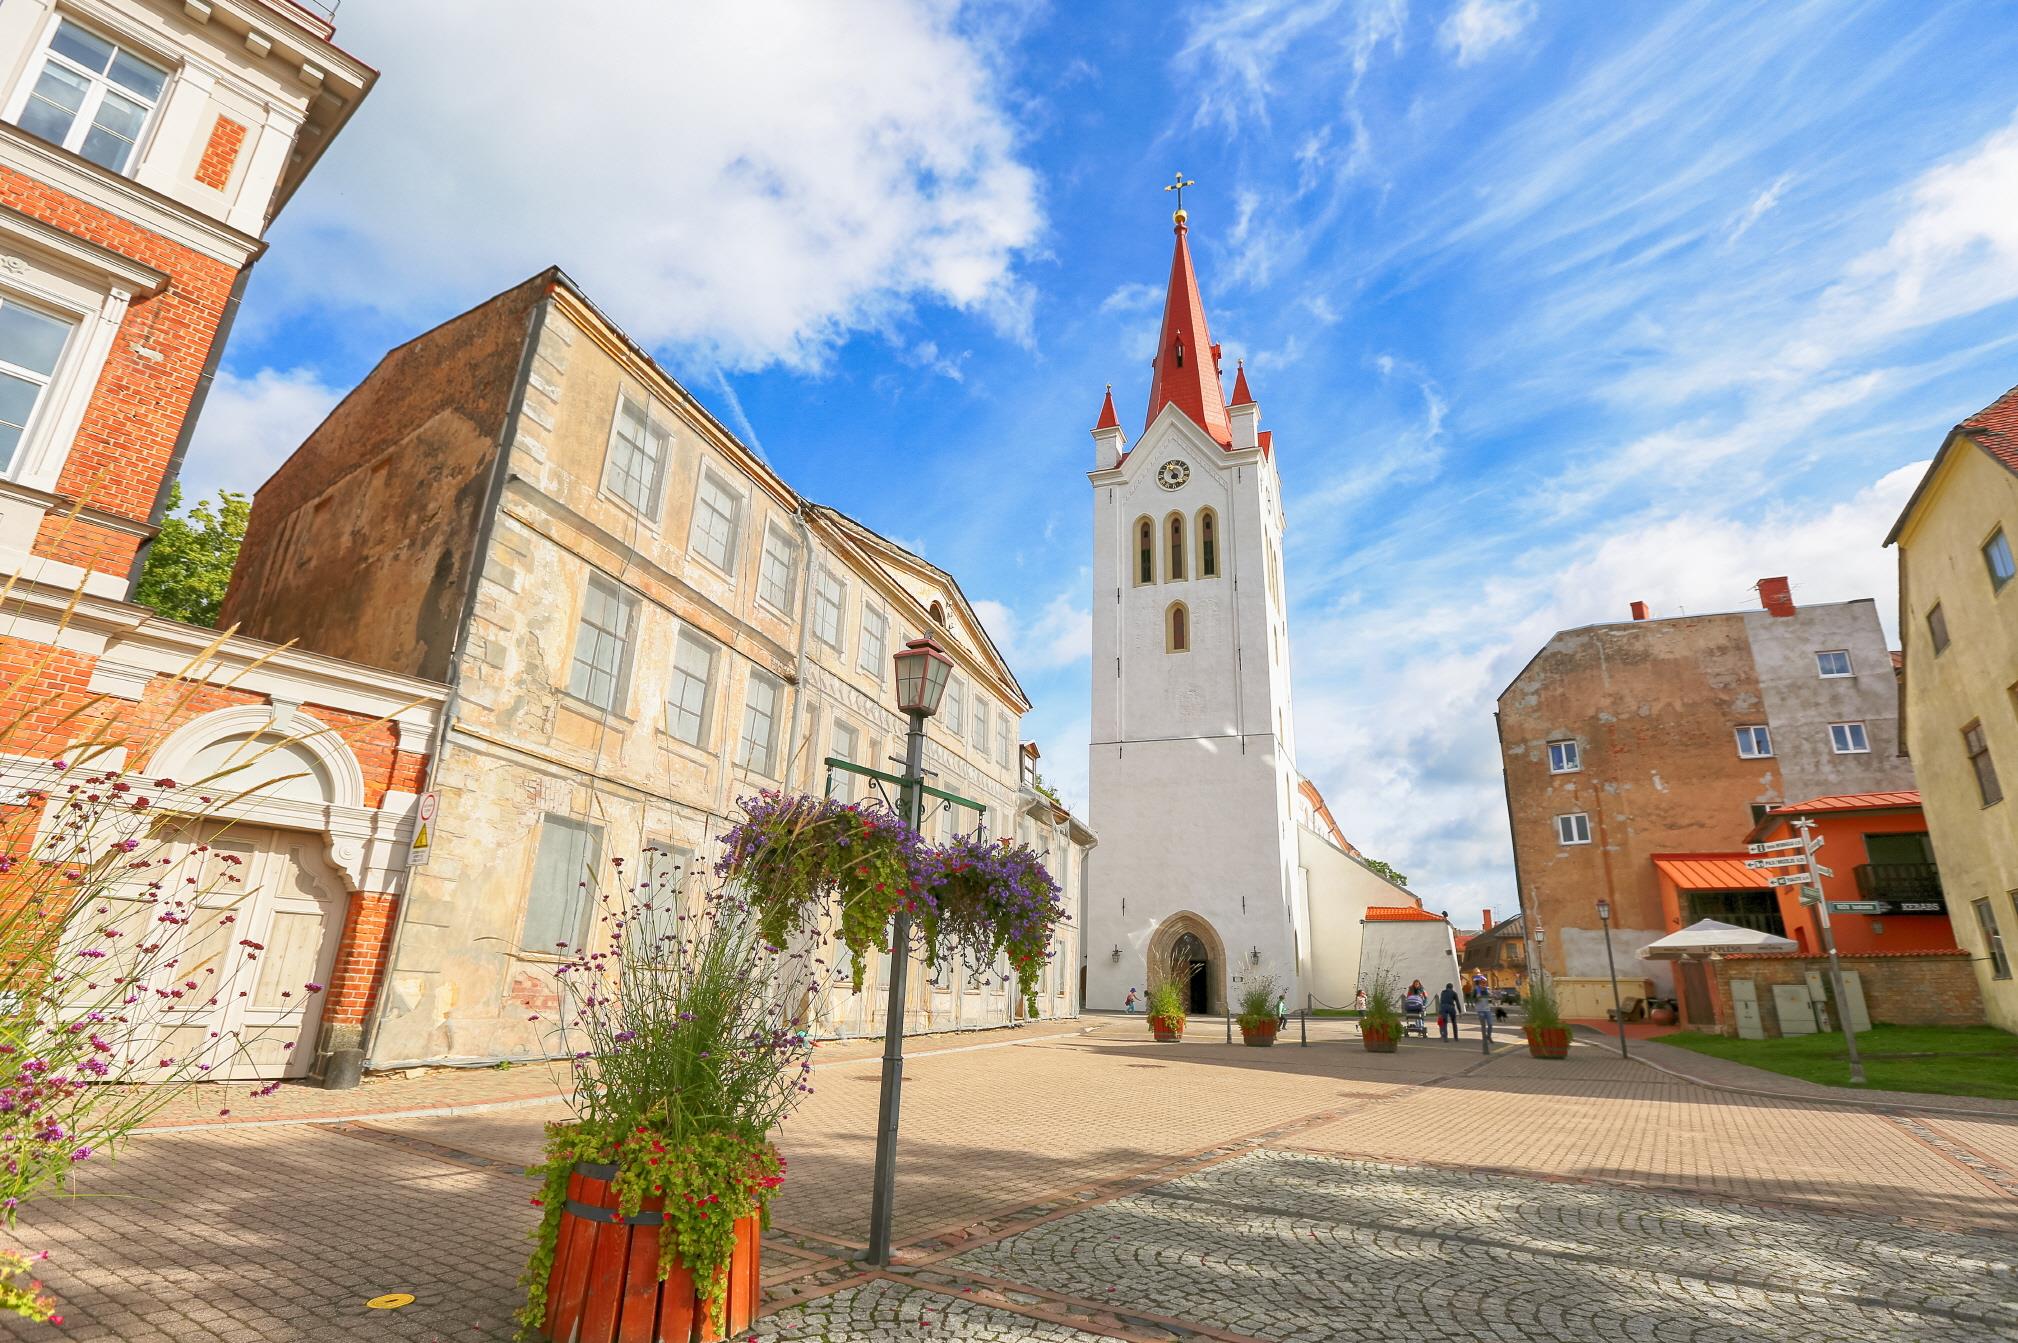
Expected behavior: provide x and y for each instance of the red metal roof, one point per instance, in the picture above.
(1710, 872)
(1108, 419)
(1996, 428)
(1241, 396)
(1400, 914)
(1186, 368)
(1849, 802)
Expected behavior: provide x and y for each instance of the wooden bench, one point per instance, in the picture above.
(1635, 1009)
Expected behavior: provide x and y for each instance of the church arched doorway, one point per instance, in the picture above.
(1187, 949)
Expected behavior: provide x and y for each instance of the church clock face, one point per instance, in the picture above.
(1172, 475)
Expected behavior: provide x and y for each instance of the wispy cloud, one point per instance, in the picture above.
(1757, 209)
(1476, 28)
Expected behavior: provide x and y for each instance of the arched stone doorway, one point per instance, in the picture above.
(1186, 947)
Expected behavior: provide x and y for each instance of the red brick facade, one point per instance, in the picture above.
(360, 958)
(1932, 988)
(220, 153)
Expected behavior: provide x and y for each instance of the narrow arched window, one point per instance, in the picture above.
(1174, 563)
(1208, 544)
(1177, 631)
(1145, 551)
(938, 613)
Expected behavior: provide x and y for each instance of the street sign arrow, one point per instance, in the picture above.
(1821, 871)
(1857, 906)
(1777, 846)
(1788, 879)
(1791, 860)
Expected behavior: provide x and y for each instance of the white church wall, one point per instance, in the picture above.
(1339, 893)
(1407, 950)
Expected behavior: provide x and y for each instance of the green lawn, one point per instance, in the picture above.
(1946, 1060)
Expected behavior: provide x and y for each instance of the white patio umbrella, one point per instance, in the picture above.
(1709, 937)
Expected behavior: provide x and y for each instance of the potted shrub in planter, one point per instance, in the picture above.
(1257, 1012)
(1548, 1038)
(1380, 1024)
(1165, 1004)
(686, 1058)
(1661, 1012)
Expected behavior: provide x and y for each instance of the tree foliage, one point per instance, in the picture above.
(189, 565)
(1384, 870)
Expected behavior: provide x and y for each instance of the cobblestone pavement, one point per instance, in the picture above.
(1069, 1184)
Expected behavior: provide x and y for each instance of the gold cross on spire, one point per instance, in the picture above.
(1178, 183)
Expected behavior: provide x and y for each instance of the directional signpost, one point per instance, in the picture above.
(1778, 846)
(1809, 843)
(1791, 860)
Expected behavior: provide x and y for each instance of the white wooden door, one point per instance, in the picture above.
(258, 913)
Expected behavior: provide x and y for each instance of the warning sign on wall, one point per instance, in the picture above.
(417, 850)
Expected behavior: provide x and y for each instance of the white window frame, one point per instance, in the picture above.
(1573, 828)
(748, 747)
(830, 609)
(1822, 667)
(844, 782)
(571, 897)
(780, 548)
(1006, 746)
(953, 713)
(1849, 732)
(663, 858)
(699, 541)
(680, 682)
(1749, 736)
(1565, 757)
(87, 112)
(871, 654)
(657, 447)
(982, 711)
(2000, 539)
(626, 641)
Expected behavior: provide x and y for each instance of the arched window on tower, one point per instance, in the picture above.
(1177, 629)
(1145, 551)
(1208, 544)
(1173, 563)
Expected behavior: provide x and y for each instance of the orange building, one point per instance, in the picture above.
(1884, 891)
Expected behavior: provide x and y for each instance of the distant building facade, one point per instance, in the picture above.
(144, 149)
(640, 623)
(1622, 742)
(1958, 621)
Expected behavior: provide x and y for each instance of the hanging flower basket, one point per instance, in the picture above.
(1167, 1030)
(990, 899)
(609, 1282)
(1549, 1042)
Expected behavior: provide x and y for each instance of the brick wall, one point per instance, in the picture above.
(127, 438)
(220, 153)
(1935, 988)
(360, 957)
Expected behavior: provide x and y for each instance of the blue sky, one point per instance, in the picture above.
(1550, 307)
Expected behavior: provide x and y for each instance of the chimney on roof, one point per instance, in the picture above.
(1639, 610)
(1487, 916)
(1774, 596)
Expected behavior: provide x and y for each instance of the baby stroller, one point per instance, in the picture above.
(1411, 1021)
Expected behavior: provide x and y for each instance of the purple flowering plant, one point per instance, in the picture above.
(991, 899)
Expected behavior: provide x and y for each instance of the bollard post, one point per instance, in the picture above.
(1229, 1025)
(1303, 1024)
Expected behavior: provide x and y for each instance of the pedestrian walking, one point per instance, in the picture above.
(1359, 1001)
(1281, 1012)
(1448, 1008)
(1128, 1003)
(1483, 1002)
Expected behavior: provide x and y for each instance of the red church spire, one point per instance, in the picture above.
(1108, 419)
(1241, 396)
(1186, 367)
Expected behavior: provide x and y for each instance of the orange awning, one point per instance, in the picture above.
(1711, 872)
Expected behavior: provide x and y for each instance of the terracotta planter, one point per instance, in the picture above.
(604, 1286)
(1549, 1042)
(1168, 1030)
(1379, 1039)
(1661, 1016)
(1259, 1037)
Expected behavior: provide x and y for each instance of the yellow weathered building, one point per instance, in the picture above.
(1958, 623)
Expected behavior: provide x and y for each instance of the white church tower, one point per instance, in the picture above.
(1193, 770)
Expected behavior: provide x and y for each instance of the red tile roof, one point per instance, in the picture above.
(1400, 914)
(1848, 802)
(1710, 872)
(1996, 428)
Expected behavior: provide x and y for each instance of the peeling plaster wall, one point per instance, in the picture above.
(1801, 703)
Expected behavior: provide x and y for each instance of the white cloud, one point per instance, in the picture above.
(249, 426)
(1757, 210)
(751, 182)
(1133, 298)
(1061, 634)
(1476, 27)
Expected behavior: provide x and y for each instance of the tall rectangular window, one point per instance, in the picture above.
(777, 577)
(830, 606)
(1997, 559)
(758, 748)
(1754, 742)
(665, 868)
(717, 520)
(30, 344)
(690, 698)
(981, 725)
(1849, 738)
(1993, 939)
(635, 468)
(875, 639)
(1977, 746)
(1563, 758)
(1835, 662)
(1574, 828)
(953, 712)
(1007, 740)
(602, 662)
(92, 96)
(564, 873)
(846, 745)
(1937, 628)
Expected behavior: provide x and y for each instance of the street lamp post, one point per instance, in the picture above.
(922, 669)
(1618, 1008)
